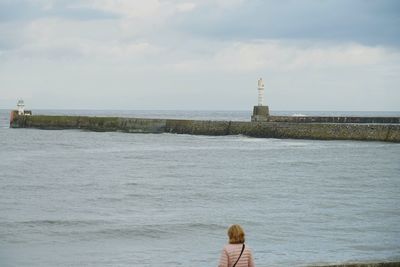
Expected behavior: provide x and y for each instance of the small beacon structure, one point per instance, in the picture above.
(260, 112)
(21, 107)
(20, 111)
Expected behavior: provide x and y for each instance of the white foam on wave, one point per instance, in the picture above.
(244, 138)
(299, 115)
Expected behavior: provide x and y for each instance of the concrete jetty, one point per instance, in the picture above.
(371, 264)
(320, 128)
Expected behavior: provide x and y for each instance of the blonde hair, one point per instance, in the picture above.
(236, 234)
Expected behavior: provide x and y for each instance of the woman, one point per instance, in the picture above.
(236, 253)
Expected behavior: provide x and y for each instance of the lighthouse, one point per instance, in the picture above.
(260, 92)
(21, 107)
(260, 112)
(19, 112)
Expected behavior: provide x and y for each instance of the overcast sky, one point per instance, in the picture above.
(200, 54)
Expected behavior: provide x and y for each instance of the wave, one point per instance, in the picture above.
(131, 184)
(152, 231)
(83, 230)
(113, 228)
(61, 222)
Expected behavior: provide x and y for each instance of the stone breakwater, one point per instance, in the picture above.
(332, 119)
(375, 129)
(375, 264)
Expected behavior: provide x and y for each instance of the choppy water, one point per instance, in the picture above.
(76, 198)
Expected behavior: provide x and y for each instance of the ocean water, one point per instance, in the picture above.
(79, 198)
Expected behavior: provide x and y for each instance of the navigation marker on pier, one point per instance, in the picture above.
(21, 107)
(260, 92)
(260, 112)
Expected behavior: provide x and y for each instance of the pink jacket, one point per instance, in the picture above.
(231, 253)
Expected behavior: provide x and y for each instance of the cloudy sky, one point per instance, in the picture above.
(200, 54)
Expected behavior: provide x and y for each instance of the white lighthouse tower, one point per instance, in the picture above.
(21, 107)
(260, 112)
(260, 92)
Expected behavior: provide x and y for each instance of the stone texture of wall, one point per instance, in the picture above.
(372, 264)
(198, 127)
(332, 119)
(296, 130)
(321, 131)
(100, 124)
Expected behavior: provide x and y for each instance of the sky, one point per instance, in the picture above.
(337, 55)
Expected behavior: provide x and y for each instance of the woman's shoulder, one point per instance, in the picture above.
(234, 247)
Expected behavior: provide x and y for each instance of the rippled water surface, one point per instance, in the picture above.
(77, 198)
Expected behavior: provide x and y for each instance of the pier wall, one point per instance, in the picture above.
(271, 129)
(333, 119)
(372, 264)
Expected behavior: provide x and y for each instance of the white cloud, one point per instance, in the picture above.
(228, 3)
(280, 55)
(43, 4)
(127, 38)
(121, 51)
(130, 8)
(59, 39)
(185, 7)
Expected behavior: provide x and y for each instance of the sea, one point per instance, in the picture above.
(80, 198)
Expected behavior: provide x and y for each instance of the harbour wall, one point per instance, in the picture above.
(268, 129)
(372, 264)
(333, 119)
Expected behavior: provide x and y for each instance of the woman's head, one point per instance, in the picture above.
(236, 234)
